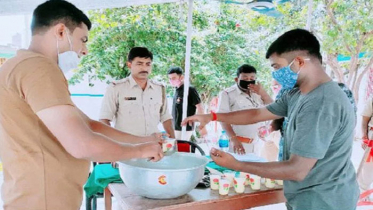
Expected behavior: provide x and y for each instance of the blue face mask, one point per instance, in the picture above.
(286, 77)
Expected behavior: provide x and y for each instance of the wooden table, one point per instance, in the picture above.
(204, 199)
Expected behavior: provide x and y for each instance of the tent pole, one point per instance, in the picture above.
(187, 65)
(309, 16)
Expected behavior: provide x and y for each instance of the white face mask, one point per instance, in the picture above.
(68, 60)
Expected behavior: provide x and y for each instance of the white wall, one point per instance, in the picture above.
(89, 99)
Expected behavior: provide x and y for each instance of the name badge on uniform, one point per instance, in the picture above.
(130, 98)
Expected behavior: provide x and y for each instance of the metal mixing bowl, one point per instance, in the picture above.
(171, 177)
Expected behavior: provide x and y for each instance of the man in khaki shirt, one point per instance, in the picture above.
(46, 142)
(245, 94)
(136, 103)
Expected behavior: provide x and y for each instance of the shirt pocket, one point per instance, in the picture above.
(155, 108)
(130, 108)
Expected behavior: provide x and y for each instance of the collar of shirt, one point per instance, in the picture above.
(239, 91)
(252, 97)
(133, 83)
(181, 87)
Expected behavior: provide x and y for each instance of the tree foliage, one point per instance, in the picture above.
(348, 31)
(224, 37)
(219, 43)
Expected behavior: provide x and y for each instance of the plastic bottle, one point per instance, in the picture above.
(164, 135)
(224, 142)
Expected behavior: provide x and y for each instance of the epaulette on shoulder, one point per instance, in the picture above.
(157, 83)
(230, 89)
(117, 82)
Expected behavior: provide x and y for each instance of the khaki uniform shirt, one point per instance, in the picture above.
(136, 111)
(233, 99)
(39, 174)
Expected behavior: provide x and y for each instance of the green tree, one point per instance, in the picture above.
(348, 31)
(224, 37)
(219, 43)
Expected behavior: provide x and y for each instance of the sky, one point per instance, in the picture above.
(11, 25)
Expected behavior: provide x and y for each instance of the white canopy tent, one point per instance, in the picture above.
(26, 7)
(20, 7)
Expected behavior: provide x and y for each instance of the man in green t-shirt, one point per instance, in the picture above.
(318, 138)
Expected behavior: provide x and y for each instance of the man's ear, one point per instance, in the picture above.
(300, 61)
(236, 79)
(129, 64)
(60, 31)
(181, 77)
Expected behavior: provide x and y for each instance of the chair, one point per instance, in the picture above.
(91, 202)
(191, 147)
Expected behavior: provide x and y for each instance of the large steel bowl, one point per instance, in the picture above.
(171, 177)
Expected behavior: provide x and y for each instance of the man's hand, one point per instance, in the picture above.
(203, 119)
(257, 88)
(203, 132)
(237, 146)
(276, 125)
(159, 137)
(223, 159)
(150, 150)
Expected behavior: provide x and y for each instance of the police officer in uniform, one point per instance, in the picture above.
(135, 103)
(245, 94)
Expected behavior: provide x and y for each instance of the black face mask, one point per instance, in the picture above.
(243, 84)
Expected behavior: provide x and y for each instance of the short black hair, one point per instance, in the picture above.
(53, 12)
(140, 52)
(245, 68)
(297, 39)
(177, 70)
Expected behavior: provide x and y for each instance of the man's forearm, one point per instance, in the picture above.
(168, 127)
(115, 134)
(103, 127)
(364, 131)
(96, 149)
(246, 117)
(273, 170)
(228, 128)
(200, 109)
(364, 126)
